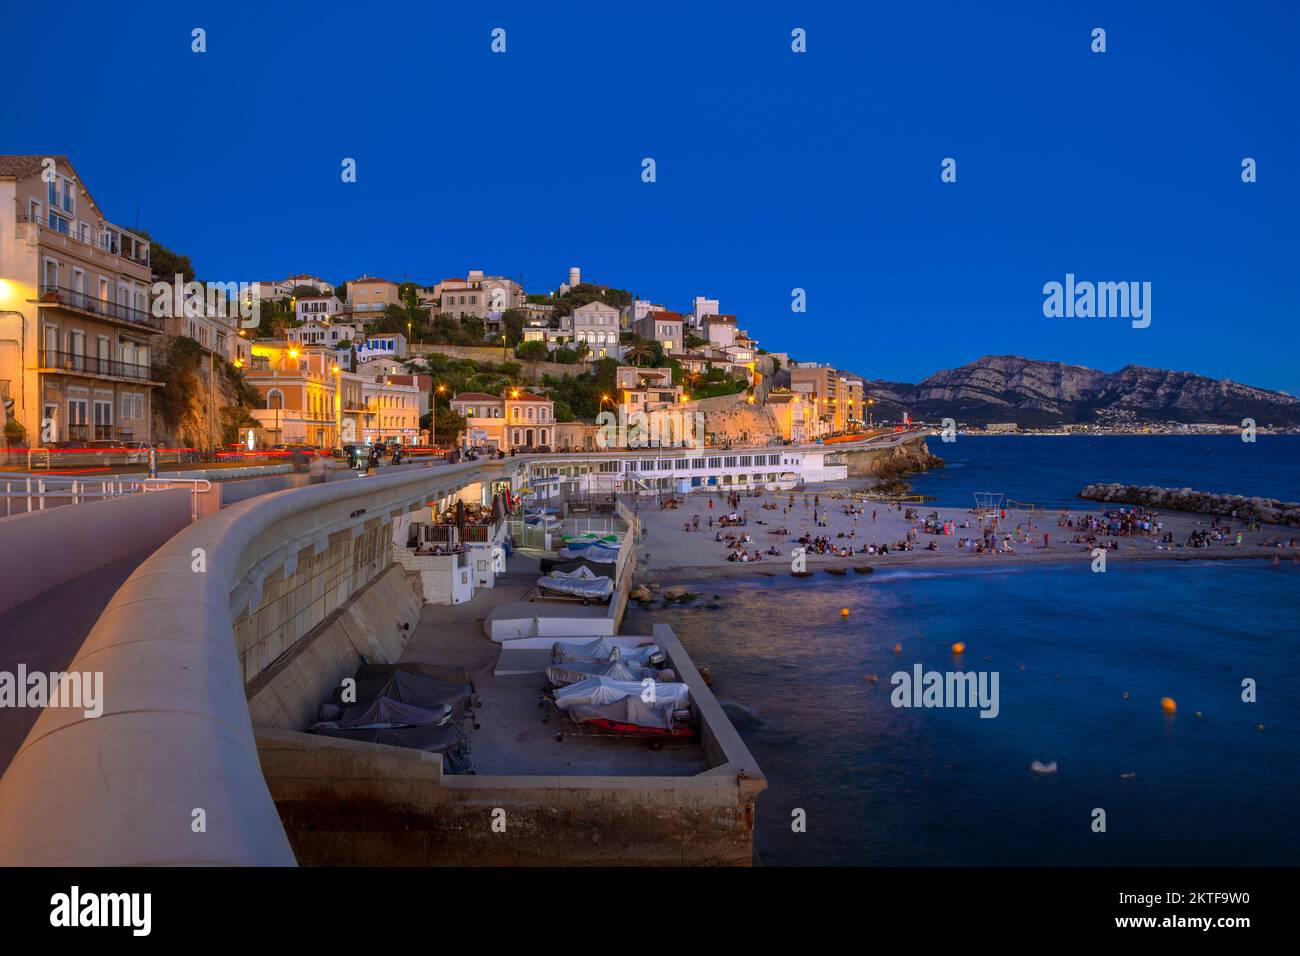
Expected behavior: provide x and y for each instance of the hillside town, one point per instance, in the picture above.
(113, 341)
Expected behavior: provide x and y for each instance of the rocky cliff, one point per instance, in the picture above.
(1006, 388)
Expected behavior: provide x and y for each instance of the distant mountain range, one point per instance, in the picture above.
(1007, 388)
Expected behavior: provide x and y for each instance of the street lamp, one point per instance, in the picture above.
(433, 417)
(870, 402)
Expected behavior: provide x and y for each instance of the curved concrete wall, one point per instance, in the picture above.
(175, 737)
(42, 549)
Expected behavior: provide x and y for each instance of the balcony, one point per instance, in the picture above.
(108, 239)
(92, 365)
(63, 298)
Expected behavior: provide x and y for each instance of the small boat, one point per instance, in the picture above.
(863, 568)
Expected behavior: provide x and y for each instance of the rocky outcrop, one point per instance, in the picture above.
(907, 458)
(1007, 388)
(1268, 510)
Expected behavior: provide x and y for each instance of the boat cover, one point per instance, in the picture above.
(602, 568)
(582, 582)
(451, 675)
(570, 672)
(384, 711)
(593, 552)
(622, 702)
(407, 688)
(601, 651)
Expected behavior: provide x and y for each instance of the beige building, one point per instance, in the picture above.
(299, 385)
(794, 415)
(517, 420)
(368, 297)
(645, 389)
(662, 327)
(839, 398)
(76, 328)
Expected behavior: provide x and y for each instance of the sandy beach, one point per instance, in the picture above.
(670, 554)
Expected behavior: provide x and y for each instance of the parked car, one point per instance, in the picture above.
(137, 452)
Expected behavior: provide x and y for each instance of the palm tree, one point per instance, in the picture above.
(637, 350)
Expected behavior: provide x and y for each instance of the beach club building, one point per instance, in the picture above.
(682, 470)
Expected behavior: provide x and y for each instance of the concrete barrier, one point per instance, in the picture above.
(42, 549)
(175, 744)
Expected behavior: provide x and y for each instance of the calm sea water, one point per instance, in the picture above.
(1050, 471)
(887, 786)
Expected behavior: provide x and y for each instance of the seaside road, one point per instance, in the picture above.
(45, 633)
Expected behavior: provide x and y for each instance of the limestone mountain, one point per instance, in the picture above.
(1007, 388)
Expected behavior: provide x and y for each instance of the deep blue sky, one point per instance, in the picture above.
(775, 170)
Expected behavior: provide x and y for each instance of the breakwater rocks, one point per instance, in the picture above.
(1268, 510)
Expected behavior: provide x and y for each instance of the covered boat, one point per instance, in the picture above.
(626, 707)
(580, 583)
(408, 688)
(386, 712)
(602, 568)
(603, 650)
(571, 672)
(599, 553)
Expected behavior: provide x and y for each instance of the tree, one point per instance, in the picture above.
(533, 352)
(638, 350)
(512, 324)
(165, 263)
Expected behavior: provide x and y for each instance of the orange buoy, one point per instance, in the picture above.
(958, 648)
(844, 612)
(898, 648)
(1168, 705)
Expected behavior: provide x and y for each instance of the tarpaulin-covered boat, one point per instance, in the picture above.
(579, 583)
(571, 672)
(627, 708)
(605, 649)
(601, 553)
(407, 688)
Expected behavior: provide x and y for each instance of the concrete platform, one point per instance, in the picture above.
(512, 740)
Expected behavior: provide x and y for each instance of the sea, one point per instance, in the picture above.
(1083, 662)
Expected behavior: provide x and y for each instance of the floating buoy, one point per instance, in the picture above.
(873, 678)
(1259, 726)
(1022, 666)
(1168, 705)
(898, 648)
(958, 648)
(844, 612)
(1126, 695)
(1128, 776)
(1039, 767)
(1198, 713)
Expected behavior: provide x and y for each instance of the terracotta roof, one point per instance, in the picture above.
(22, 166)
(528, 397)
(666, 315)
(369, 279)
(475, 397)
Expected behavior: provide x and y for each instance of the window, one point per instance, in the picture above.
(715, 462)
(729, 461)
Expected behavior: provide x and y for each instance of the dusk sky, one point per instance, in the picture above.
(775, 170)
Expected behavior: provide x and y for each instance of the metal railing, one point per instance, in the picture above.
(93, 365)
(38, 493)
(113, 239)
(85, 302)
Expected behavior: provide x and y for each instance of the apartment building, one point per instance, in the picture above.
(369, 296)
(794, 415)
(645, 389)
(392, 411)
(661, 326)
(720, 330)
(701, 307)
(76, 327)
(316, 308)
(838, 397)
(517, 420)
(321, 333)
(596, 324)
(299, 385)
